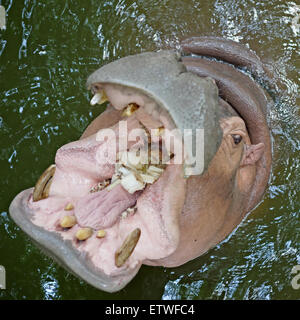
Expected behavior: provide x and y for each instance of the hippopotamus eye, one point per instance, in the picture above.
(236, 138)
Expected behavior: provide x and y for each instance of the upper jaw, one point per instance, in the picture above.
(190, 102)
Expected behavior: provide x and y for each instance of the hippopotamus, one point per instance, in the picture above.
(100, 220)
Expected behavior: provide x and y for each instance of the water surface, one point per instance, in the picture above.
(46, 53)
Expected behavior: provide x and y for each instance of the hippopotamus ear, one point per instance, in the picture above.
(252, 154)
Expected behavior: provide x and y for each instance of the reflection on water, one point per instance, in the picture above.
(46, 53)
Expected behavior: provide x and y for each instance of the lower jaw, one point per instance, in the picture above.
(63, 252)
(156, 216)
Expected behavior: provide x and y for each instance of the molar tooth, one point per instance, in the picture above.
(101, 234)
(42, 187)
(125, 251)
(84, 233)
(68, 221)
(69, 207)
(129, 110)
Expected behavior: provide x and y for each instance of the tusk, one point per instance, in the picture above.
(99, 98)
(68, 221)
(125, 251)
(42, 187)
(96, 98)
(84, 233)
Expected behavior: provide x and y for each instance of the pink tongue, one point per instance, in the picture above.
(101, 209)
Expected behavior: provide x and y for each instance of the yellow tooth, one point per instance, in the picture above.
(99, 98)
(69, 207)
(104, 97)
(101, 234)
(42, 187)
(125, 251)
(84, 233)
(68, 221)
(129, 110)
(159, 131)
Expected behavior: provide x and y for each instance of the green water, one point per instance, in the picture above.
(46, 53)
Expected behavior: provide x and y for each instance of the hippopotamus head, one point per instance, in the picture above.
(102, 212)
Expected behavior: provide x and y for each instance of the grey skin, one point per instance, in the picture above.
(165, 79)
(229, 51)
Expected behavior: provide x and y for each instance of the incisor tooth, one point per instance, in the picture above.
(101, 234)
(84, 233)
(69, 207)
(68, 221)
(42, 187)
(125, 251)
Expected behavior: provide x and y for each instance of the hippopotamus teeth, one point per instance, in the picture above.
(42, 187)
(99, 98)
(159, 131)
(84, 233)
(125, 251)
(69, 207)
(129, 110)
(68, 221)
(101, 234)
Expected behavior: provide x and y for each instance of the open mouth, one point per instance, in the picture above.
(112, 200)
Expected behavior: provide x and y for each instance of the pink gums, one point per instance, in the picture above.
(158, 206)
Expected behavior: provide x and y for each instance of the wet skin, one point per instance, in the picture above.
(209, 206)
